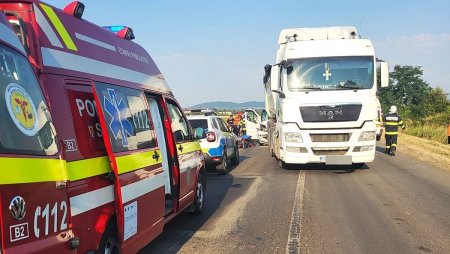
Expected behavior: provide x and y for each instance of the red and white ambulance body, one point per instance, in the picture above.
(129, 159)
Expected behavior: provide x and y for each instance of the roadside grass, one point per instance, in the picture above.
(430, 131)
(431, 151)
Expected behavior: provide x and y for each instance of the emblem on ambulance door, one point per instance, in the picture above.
(17, 208)
(21, 109)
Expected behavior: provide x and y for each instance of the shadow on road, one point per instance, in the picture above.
(338, 169)
(178, 231)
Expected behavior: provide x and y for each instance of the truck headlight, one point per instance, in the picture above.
(367, 136)
(293, 137)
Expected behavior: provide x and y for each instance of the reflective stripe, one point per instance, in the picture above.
(31, 170)
(388, 147)
(95, 42)
(392, 133)
(142, 187)
(189, 147)
(394, 145)
(87, 168)
(130, 162)
(68, 61)
(59, 27)
(392, 123)
(91, 200)
(46, 28)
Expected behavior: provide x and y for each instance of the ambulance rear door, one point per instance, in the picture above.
(136, 160)
(34, 206)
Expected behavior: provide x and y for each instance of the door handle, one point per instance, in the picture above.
(156, 156)
(180, 148)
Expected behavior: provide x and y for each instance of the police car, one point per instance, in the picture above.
(219, 145)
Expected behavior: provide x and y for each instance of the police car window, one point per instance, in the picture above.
(127, 117)
(26, 125)
(223, 126)
(214, 124)
(179, 125)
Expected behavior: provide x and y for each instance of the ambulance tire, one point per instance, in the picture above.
(199, 199)
(110, 241)
(222, 168)
(235, 159)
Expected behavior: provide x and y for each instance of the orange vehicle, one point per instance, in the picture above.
(95, 153)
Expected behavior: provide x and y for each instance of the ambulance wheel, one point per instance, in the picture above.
(110, 243)
(199, 199)
(223, 167)
(235, 160)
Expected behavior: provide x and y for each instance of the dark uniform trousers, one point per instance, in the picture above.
(392, 122)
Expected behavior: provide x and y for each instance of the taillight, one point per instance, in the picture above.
(211, 136)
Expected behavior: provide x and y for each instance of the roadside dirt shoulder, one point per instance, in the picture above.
(432, 152)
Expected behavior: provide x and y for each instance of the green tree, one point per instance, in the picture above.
(437, 101)
(408, 91)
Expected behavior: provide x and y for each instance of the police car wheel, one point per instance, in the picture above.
(223, 167)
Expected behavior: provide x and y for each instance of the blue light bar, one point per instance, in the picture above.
(114, 29)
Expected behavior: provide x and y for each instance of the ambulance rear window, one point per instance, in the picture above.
(26, 126)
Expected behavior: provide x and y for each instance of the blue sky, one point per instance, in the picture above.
(212, 50)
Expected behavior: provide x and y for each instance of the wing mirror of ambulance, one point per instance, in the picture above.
(384, 73)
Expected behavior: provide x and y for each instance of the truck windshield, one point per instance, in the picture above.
(26, 126)
(331, 73)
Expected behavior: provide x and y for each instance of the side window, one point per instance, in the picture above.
(214, 123)
(127, 117)
(223, 126)
(179, 125)
(251, 116)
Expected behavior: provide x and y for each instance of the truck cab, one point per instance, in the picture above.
(321, 97)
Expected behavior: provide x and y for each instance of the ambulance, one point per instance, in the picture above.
(95, 153)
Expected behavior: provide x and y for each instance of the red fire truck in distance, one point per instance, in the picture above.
(95, 152)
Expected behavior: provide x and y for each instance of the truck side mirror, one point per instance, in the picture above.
(384, 74)
(274, 78)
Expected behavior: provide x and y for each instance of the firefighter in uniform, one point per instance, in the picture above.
(392, 121)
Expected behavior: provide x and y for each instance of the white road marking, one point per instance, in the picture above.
(293, 244)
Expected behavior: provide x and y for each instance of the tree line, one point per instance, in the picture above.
(414, 97)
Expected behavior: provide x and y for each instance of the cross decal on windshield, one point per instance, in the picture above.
(327, 73)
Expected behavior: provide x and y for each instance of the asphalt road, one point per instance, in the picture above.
(393, 205)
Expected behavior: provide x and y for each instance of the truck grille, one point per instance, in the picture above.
(339, 137)
(331, 151)
(331, 113)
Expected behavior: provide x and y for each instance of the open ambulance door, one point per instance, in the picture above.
(136, 162)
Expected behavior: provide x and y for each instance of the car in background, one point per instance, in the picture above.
(220, 146)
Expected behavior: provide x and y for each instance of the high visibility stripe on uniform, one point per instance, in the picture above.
(388, 147)
(392, 123)
(127, 163)
(81, 169)
(189, 147)
(31, 170)
(59, 27)
(394, 145)
(392, 133)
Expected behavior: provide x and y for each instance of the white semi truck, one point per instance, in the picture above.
(321, 97)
